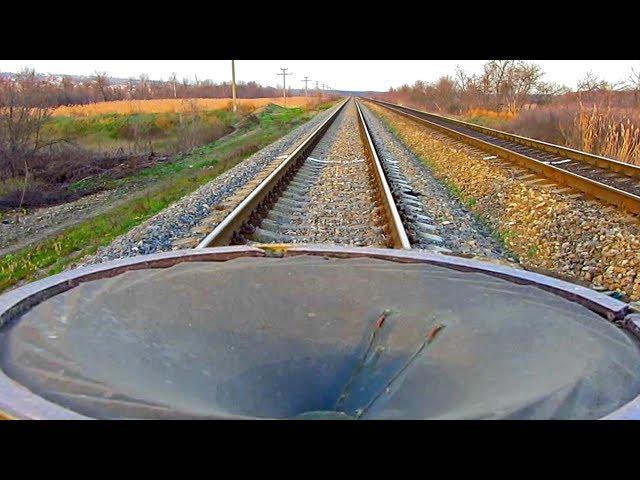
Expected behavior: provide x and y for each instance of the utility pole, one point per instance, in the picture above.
(174, 79)
(284, 83)
(306, 80)
(233, 85)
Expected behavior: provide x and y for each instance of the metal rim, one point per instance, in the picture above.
(17, 401)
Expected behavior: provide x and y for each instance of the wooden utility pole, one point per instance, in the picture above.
(306, 80)
(233, 85)
(284, 83)
(174, 79)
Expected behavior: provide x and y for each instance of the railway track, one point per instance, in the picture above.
(333, 188)
(609, 180)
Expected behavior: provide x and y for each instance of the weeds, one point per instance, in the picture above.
(612, 132)
(173, 181)
(173, 105)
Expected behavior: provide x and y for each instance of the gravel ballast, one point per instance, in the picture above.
(342, 198)
(161, 232)
(548, 226)
(457, 226)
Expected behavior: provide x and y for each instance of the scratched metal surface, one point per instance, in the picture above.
(316, 337)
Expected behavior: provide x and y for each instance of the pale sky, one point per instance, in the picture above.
(339, 74)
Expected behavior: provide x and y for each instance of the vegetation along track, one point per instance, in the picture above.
(333, 188)
(609, 180)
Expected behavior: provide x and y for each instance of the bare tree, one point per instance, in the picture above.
(144, 88)
(633, 84)
(67, 87)
(445, 96)
(101, 83)
(592, 89)
(591, 83)
(493, 81)
(24, 108)
(507, 84)
(521, 80)
(547, 91)
(132, 84)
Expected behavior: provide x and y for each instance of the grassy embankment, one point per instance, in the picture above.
(162, 131)
(175, 105)
(173, 181)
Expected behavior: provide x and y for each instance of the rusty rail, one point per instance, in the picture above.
(233, 223)
(620, 198)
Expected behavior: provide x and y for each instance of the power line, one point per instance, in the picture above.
(284, 83)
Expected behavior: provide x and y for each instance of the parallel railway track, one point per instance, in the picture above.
(609, 180)
(333, 188)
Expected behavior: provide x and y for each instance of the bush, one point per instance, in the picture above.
(194, 131)
(607, 131)
(37, 193)
(546, 124)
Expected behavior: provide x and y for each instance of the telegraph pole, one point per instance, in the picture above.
(306, 80)
(284, 83)
(233, 85)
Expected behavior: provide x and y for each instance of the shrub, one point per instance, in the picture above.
(607, 131)
(197, 130)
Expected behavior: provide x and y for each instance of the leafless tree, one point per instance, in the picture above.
(633, 84)
(101, 83)
(132, 84)
(144, 88)
(67, 87)
(591, 83)
(509, 83)
(493, 81)
(24, 108)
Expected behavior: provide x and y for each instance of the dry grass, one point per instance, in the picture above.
(172, 105)
(612, 132)
(490, 114)
(605, 132)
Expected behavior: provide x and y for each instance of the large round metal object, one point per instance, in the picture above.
(313, 332)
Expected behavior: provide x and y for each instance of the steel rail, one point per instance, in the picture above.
(398, 233)
(223, 233)
(607, 193)
(232, 223)
(584, 157)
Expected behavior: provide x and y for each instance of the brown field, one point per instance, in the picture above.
(174, 105)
